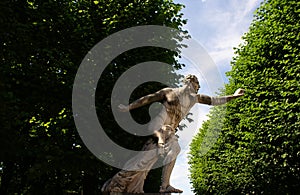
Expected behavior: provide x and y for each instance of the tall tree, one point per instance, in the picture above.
(258, 148)
(42, 45)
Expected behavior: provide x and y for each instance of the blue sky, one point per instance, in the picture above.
(217, 25)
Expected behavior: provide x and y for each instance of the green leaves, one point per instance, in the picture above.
(43, 44)
(258, 145)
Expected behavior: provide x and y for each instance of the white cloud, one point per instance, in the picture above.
(251, 6)
(219, 25)
(229, 26)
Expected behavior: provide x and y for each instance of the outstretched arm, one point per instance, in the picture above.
(155, 97)
(205, 99)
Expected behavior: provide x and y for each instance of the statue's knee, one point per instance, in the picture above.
(178, 149)
(175, 150)
(172, 154)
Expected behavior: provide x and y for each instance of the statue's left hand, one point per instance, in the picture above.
(123, 108)
(239, 92)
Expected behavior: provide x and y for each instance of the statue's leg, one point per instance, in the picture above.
(173, 149)
(130, 181)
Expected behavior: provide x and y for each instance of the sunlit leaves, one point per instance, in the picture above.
(42, 44)
(258, 149)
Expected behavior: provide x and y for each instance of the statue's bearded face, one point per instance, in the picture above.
(196, 85)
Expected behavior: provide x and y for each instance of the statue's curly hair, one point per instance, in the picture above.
(190, 78)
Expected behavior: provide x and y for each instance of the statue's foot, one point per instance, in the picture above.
(169, 189)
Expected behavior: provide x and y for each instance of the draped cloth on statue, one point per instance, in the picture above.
(133, 181)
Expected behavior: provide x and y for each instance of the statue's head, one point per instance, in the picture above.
(193, 80)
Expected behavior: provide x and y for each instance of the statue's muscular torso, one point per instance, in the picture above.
(177, 103)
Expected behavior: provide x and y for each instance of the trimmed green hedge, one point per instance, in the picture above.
(258, 149)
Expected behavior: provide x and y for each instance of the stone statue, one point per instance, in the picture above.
(177, 103)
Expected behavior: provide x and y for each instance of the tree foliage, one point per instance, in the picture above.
(258, 149)
(42, 45)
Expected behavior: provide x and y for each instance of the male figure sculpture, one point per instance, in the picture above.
(177, 103)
